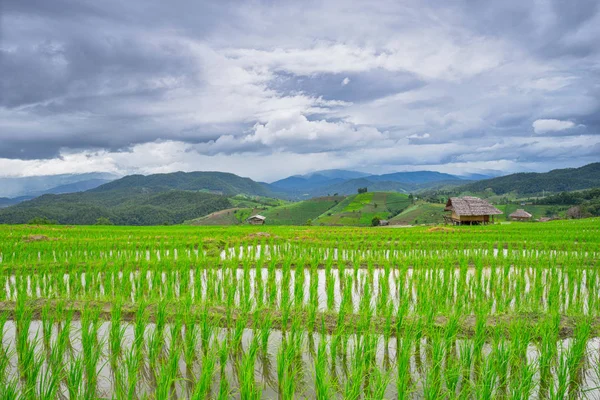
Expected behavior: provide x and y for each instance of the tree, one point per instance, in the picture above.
(574, 212)
(309, 222)
(362, 190)
(103, 221)
(41, 221)
(411, 198)
(375, 221)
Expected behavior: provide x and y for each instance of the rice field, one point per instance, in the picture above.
(504, 311)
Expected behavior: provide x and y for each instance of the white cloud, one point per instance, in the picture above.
(178, 93)
(551, 125)
(294, 133)
(419, 136)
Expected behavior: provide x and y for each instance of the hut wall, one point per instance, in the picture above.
(473, 218)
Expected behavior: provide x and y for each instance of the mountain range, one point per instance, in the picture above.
(33, 186)
(345, 182)
(532, 183)
(140, 200)
(176, 197)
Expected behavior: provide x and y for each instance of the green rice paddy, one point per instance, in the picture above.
(481, 312)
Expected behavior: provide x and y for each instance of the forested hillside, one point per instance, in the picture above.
(120, 206)
(558, 180)
(140, 200)
(219, 182)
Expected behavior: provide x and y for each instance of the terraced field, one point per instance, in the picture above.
(420, 213)
(300, 213)
(360, 209)
(481, 312)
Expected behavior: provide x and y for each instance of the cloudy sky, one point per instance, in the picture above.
(272, 88)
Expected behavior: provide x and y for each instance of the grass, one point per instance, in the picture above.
(299, 213)
(360, 209)
(494, 311)
(420, 213)
(537, 211)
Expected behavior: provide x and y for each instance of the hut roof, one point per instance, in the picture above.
(258, 216)
(471, 206)
(520, 213)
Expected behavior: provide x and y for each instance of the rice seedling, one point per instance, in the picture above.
(506, 311)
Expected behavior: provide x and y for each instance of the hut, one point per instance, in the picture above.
(470, 211)
(256, 220)
(384, 222)
(520, 215)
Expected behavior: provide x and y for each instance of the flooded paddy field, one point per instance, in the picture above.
(510, 311)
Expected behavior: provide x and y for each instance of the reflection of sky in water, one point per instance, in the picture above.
(385, 360)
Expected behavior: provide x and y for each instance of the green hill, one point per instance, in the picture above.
(214, 182)
(299, 213)
(558, 180)
(222, 217)
(420, 213)
(120, 206)
(146, 200)
(360, 209)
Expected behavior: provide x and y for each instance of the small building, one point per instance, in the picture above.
(384, 222)
(520, 215)
(256, 220)
(470, 210)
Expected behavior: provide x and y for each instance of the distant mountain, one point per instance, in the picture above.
(317, 179)
(121, 206)
(414, 177)
(558, 180)
(477, 177)
(299, 183)
(140, 200)
(81, 186)
(214, 182)
(322, 183)
(338, 174)
(7, 202)
(37, 185)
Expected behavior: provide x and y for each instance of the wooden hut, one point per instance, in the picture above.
(470, 211)
(520, 215)
(256, 220)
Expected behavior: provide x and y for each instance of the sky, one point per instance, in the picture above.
(268, 89)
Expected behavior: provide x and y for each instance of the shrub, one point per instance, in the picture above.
(103, 221)
(41, 221)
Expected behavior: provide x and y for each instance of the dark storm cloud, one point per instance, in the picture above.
(540, 26)
(233, 78)
(351, 87)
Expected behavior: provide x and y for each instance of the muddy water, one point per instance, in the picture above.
(265, 371)
(254, 252)
(330, 284)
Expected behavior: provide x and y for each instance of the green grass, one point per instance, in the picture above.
(299, 213)
(246, 201)
(462, 312)
(537, 211)
(420, 213)
(360, 209)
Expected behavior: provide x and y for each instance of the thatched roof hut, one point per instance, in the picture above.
(256, 219)
(470, 210)
(520, 215)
